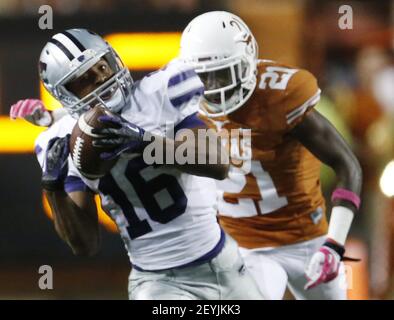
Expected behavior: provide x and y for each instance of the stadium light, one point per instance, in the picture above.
(387, 180)
(139, 51)
(145, 51)
(17, 136)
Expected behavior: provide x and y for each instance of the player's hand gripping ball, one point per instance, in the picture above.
(85, 156)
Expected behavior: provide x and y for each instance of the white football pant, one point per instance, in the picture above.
(223, 278)
(276, 268)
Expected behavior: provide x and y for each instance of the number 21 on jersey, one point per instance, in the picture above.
(237, 182)
(276, 78)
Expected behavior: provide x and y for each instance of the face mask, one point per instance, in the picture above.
(116, 102)
(214, 101)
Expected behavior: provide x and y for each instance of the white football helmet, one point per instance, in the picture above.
(224, 53)
(71, 53)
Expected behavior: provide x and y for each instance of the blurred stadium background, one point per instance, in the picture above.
(355, 69)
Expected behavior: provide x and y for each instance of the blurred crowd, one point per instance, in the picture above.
(356, 71)
(61, 7)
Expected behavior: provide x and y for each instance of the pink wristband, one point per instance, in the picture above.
(343, 194)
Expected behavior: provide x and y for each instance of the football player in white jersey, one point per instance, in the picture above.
(166, 215)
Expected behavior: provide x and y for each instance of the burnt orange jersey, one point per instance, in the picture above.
(272, 196)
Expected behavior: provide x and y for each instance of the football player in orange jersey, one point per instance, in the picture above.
(271, 202)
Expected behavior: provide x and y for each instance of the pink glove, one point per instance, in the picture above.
(32, 110)
(324, 265)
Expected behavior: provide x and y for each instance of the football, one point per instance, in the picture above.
(85, 156)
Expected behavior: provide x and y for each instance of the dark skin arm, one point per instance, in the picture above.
(317, 134)
(202, 148)
(76, 220)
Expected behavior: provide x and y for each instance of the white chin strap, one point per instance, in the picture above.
(116, 102)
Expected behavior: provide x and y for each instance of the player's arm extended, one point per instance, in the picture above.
(72, 204)
(196, 151)
(205, 154)
(317, 134)
(321, 138)
(75, 219)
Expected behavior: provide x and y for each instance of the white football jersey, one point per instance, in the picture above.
(166, 218)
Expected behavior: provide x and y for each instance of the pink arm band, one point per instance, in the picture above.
(343, 194)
